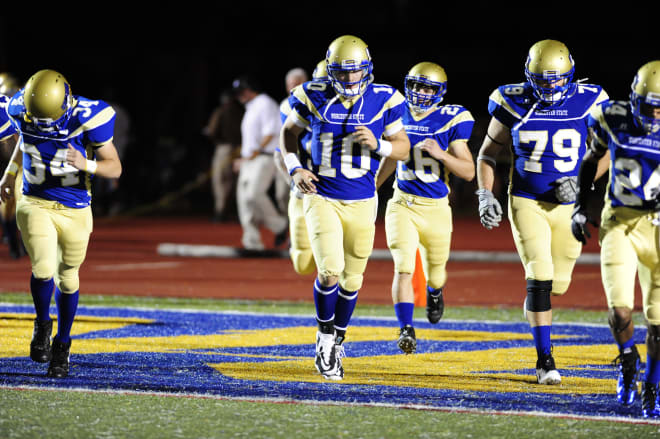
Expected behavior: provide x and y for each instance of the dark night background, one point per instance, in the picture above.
(168, 66)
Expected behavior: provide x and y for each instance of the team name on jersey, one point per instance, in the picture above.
(551, 113)
(643, 141)
(344, 116)
(417, 128)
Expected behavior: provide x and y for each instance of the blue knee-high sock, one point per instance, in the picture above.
(325, 299)
(346, 301)
(42, 293)
(652, 373)
(404, 313)
(542, 339)
(67, 305)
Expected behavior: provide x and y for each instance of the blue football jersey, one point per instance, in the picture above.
(6, 128)
(634, 155)
(548, 143)
(422, 174)
(345, 169)
(45, 171)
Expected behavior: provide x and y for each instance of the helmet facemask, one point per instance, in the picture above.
(421, 102)
(546, 85)
(349, 88)
(645, 104)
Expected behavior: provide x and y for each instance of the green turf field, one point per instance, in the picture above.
(28, 413)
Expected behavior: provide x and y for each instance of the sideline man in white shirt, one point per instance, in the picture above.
(260, 135)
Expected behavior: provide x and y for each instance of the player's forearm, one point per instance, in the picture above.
(280, 166)
(288, 142)
(460, 167)
(7, 146)
(485, 175)
(108, 168)
(16, 155)
(400, 148)
(487, 162)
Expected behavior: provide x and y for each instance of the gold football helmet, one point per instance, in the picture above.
(425, 75)
(646, 92)
(548, 63)
(48, 100)
(9, 85)
(349, 54)
(320, 71)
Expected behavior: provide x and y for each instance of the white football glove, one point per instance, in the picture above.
(490, 210)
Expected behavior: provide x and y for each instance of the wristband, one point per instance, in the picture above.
(12, 169)
(384, 148)
(291, 162)
(90, 166)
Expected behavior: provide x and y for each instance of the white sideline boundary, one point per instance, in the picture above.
(223, 251)
(444, 409)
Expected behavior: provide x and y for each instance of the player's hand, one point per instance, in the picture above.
(433, 148)
(7, 187)
(365, 137)
(490, 210)
(304, 180)
(75, 158)
(579, 225)
(566, 189)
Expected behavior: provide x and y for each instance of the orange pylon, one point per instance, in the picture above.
(419, 282)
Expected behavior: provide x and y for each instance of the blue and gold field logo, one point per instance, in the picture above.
(484, 365)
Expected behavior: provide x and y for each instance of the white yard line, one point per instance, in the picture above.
(445, 409)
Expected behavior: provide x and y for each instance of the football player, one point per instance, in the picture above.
(300, 251)
(353, 123)
(64, 141)
(545, 121)
(628, 233)
(292, 79)
(9, 85)
(418, 214)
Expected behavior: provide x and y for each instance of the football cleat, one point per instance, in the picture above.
(40, 350)
(626, 385)
(328, 357)
(546, 372)
(407, 341)
(59, 364)
(650, 406)
(435, 306)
